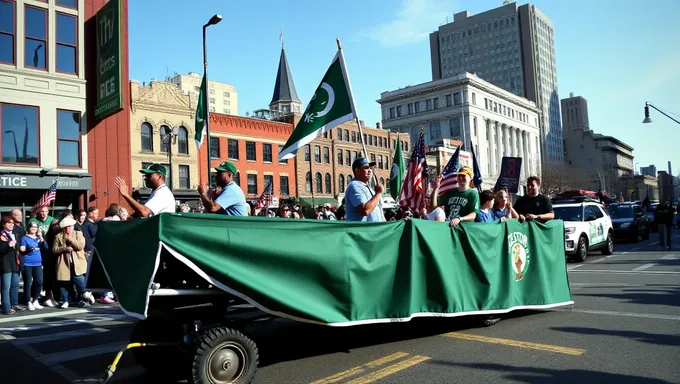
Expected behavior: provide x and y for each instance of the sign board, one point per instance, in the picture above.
(109, 94)
(13, 181)
(510, 172)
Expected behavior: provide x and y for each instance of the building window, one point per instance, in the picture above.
(456, 99)
(435, 103)
(380, 162)
(67, 49)
(428, 104)
(267, 153)
(308, 182)
(328, 183)
(252, 184)
(184, 177)
(68, 3)
(326, 155)
(339, 134)
(215, 147)
(348, 179)
(448, 101)
(147, 137)
(7, 32)
(68, 138)
(380, 141)
(346, 134)
(269, 180)
(251, 154)
(339, 156)
(283, 186)
(348, 157)
(398, 110)
(409, 106)
(212, 99)
(355, 155)
(435, 130)
(474, 125)
(183, 141)
(318, 182)
(474, 99)
(392, 114)
(20, 124)
(370, 139)
(232, 149)
(317, 154)
(341, 183)
(454, 127)
(354, 137)
(416, 106)
(373, 158)
(283, 161)
(35, 43)
(306, 153)
(165, 145)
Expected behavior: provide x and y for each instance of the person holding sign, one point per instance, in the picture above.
(534, 206)
(460, 204)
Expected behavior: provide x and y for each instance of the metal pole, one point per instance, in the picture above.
(170, 159)
(311, 176)
(206, 103)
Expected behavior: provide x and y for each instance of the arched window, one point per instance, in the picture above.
(349, 179)
(318, 182)
(308, 182)
(341, 183)
(164, 138)
(328, 183)
(147, 137)
(183, 141)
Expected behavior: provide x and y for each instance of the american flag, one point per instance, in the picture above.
(46, 199)
(265, 199)
(413, 189)
(450, 173)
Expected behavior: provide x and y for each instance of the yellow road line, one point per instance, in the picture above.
(360, 369)
(517, 343)
(390, 370)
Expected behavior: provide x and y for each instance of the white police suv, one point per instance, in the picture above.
(587, 225)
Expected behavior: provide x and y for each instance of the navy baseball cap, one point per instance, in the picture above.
(361, 161)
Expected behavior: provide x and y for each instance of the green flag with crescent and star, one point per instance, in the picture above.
(397, 172)
(200, 116)
(331, 105)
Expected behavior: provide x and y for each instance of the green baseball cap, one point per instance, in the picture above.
(154, 168)
(227, 167)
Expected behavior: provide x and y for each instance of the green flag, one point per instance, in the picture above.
(397, 173)
(200, 116)
(331, 105)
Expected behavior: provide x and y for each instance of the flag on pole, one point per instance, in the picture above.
(397, 173)
(265, 199)
(200, 116)
(450, 173)
(477, 178)
(46, 199)
(331, 105)
(413, 190)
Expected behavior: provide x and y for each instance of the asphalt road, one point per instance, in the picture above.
(624, 328)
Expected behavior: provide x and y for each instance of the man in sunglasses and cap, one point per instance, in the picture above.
(230, 201)
(161, 199)
(461, 204)
(361, 202)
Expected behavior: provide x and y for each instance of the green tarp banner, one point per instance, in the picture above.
(341, 273)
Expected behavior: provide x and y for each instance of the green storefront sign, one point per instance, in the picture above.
(109, 67)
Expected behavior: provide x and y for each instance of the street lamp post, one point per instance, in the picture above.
(213, 20)
(171, 136)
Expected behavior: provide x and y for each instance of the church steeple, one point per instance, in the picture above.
(285, 99)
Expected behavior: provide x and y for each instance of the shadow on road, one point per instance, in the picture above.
(668, 296)
(652, 338)
(545, 375)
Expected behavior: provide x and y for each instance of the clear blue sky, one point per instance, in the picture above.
(616, 54)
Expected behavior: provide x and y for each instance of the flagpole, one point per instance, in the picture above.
(55, 195)
(356, 115)
(311, 174)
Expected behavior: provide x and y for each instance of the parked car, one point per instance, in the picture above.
(630, 221)
(587, 226)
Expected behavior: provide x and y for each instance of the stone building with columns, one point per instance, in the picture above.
(465, 107)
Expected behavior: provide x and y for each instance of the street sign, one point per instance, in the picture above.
(109, 95)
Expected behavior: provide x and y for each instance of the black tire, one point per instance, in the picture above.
(224, 355)
(168, 361)
(582, 249)
(608, 248)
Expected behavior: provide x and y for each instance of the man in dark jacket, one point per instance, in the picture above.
(19, 231)
(663, 218)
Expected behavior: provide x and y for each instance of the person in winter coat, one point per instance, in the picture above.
(68, 249)
(9, 266)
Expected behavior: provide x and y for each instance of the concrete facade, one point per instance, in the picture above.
(649, 171)
(153, 108)
(253, 146)
(43, 104)
(512, 47)
(222, 97)
(639, 187)
(575, 113)
(470, 109)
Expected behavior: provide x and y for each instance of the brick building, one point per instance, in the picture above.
(253, 146)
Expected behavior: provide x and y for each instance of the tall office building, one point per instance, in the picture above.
(223, 97)
(648, 171)
(575, 113)
(512, 47)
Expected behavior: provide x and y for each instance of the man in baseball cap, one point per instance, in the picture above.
(361, 202)
(461, 204)
(230, 200)
(161, 199)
